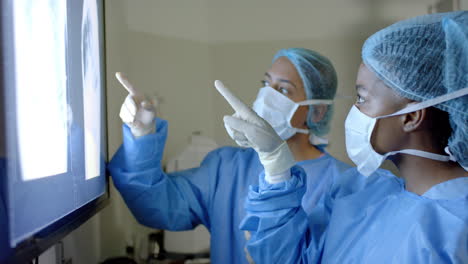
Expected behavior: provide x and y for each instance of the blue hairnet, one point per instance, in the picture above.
(425, 57)
(319, 80)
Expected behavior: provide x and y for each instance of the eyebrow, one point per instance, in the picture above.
(281, 80)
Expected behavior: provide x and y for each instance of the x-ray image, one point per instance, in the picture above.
(41, 93)
(59, 86)
(91, 87)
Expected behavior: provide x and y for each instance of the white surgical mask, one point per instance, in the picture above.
(359, 127)
(278, 110)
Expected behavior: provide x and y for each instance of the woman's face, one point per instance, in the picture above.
(284, 78)
(374, 99)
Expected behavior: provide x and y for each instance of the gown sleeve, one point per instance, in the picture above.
(281, 231)
(175, 201)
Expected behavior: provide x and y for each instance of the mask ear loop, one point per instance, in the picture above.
(420, 153)
(430, 102)
(308, 102)
(452, 157)
(422, 105)
(316, 102)
(291, 114)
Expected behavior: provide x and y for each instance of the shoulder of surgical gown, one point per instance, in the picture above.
(281, 231)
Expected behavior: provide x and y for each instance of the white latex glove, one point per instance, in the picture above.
(250, 130)
(137, 111)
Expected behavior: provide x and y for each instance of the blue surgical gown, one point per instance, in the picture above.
(212, 195)
(372, 220)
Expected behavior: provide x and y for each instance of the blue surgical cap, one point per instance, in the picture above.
(319, 80)
(425, 57)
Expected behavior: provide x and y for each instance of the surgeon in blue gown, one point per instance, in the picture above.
(411, 107)
(296, 99)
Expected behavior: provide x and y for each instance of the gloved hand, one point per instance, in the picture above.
(250, 130)
(137, 111)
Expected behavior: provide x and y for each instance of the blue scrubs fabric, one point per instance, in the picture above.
(372, 220)
(212, 195)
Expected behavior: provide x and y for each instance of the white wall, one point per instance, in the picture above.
(178, 72)
(214, 21)
(463, 4)
(176, 49)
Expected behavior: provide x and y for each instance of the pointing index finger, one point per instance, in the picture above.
(238, 106)
(126, 84)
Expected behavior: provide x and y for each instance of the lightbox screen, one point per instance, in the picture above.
(55, 123)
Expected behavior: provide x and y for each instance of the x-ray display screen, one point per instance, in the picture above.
(54, 123)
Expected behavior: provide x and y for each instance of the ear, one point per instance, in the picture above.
(414, 120)
(319, 112)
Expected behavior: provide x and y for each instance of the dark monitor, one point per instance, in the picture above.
(52, 122)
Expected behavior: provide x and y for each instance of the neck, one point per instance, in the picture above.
(421, 174)
(301, 148)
